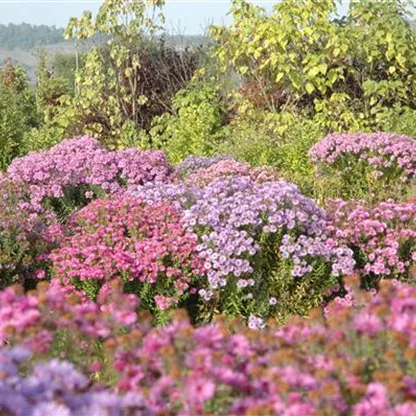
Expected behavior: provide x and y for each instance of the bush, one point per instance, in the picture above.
(375, 165)
(43, 188)
(342, 73)
(18, 113)
(279, 140)
(265, 245)
(382, 238)
(24, 235)
(71, 173)
(147, 246)
(192, 128)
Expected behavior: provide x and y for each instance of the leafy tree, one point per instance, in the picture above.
(18, 112)
(131, 79)
(341, 72)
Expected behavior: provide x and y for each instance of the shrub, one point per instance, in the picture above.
(147, 246)
(278, 140)
(342, 73)
(265, 245)
(133, 77)
(374, 165)
(18, 113)
(71, 173)
(382, 238)
(43, 188)
(24, 234)
(194, 126)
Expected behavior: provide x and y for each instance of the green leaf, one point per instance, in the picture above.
(392, 69)
(279, 76)
(313, 72)
(310, 88)
(323, 68)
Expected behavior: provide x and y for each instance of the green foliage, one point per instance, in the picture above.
(55, 107)
(281, 140)
(194, 127)
(131, 79)
(18, 112)
(64, 67)
(341, 73)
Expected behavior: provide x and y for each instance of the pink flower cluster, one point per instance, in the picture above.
(358, 360)
(84, 161)
(24, 234)
(122, 237)
(230, 167)
(382, 237)
(381, 150)
(345, 364)
(390, 158)
(32, 319)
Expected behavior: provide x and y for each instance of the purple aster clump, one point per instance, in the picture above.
(193, 163)
(263, 244)
(378, 159)
(57, 388)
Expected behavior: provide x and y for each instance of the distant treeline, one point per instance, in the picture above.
(26, 36)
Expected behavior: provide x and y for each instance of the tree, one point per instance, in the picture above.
(18, 112)
(342, 72)
(131, 79)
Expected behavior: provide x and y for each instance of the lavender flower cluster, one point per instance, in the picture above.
(57, 388)
(237, 219)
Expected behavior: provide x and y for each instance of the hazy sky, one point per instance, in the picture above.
(191, 16)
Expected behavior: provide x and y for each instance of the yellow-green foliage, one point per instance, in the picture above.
(342, 73)
(194, 128)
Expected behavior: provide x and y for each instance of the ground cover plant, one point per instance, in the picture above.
(238, 237)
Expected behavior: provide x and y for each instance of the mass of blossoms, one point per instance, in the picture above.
(129, 286)
(376, 161)
(148, 246)
(383, 237)
(356, 359)
(265, 242)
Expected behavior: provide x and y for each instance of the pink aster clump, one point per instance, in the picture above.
(358, 361)
(84, 166)
(230, 167)
(379, 159)
(383, 237)
(24, 234)
(149, 247)
(55, 314)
